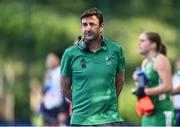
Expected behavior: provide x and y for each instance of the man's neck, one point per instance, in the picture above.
(94, 46)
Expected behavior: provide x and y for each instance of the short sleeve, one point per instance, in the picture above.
(121, 60)
(65, 64)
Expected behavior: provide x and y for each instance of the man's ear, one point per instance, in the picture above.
(81, 26)
(102, 27)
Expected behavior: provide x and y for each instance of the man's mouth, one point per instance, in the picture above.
(89, 33)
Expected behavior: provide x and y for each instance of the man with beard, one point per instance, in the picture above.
(92, 75)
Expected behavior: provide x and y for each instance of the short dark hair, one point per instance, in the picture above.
(91, 12)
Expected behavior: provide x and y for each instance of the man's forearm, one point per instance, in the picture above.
(119, 82)
(119, 88)
(66, 87)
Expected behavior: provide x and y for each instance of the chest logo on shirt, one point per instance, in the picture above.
(108, 60)
(82, 63)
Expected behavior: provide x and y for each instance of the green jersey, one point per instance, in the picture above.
(163, 114)
(93, 77)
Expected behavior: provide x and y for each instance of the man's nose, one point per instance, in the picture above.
(88, 27)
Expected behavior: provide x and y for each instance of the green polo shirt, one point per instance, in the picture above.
(93, 82)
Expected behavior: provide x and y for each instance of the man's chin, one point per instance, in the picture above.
(89, 40)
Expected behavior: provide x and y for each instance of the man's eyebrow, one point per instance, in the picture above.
(84, 23)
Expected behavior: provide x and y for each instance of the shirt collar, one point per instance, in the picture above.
(103, 45)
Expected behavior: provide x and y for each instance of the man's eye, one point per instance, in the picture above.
(91, 24)
(142, 40)
(84, 24)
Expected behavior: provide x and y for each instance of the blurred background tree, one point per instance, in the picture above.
(29, 29)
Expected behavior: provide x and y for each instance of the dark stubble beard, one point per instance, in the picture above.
(89, 42)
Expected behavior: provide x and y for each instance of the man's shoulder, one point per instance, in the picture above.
(112, 44)
(71, 48)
